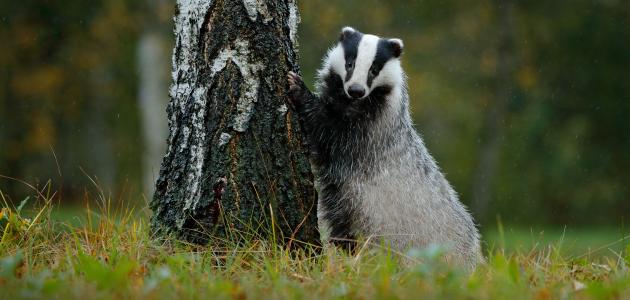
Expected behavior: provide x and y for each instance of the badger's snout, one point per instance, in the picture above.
(356, 91)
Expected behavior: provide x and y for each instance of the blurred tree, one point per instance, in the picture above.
(495, 115)
(235, 167)
(153, 88)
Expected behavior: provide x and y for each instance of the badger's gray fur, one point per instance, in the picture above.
(375, 177)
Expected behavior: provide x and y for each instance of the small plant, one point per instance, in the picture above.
(13, 224)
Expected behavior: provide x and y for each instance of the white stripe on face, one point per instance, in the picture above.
(335, 60)
(365, 56)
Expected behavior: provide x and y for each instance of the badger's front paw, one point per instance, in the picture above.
(295, 81)
(296, 89)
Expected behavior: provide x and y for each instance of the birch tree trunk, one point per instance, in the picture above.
(235, 167)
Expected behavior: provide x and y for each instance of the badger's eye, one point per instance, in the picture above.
(349, 65)
(373, 72)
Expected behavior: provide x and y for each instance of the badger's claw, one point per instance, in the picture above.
(296, 89)
(293, 78)
(295, 81)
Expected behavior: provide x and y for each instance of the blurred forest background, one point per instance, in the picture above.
(525, 104)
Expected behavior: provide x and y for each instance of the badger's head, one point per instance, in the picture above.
(365, 63)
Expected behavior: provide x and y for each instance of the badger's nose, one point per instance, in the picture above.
(356, 91)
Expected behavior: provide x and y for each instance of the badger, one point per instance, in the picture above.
(374, 176)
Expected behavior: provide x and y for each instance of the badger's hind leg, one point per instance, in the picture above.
(338, 218)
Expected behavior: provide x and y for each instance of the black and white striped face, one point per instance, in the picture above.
(365, 62)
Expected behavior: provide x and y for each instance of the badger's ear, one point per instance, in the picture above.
(397, 46)
(346, 32)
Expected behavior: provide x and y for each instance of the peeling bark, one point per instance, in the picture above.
(228, 124)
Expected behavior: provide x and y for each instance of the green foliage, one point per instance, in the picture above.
(9, 265)
(105, 276)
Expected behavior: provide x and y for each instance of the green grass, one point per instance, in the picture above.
(571, 242)
(108, 254)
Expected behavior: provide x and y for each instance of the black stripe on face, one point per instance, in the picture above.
(350, 42)
(384, 53)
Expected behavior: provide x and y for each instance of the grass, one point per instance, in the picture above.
(570, 242)
(109, 253)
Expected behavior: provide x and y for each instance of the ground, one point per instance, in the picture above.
(102, 253)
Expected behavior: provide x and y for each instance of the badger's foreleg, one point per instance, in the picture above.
(304, 103)
(300, 97)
